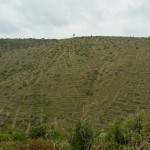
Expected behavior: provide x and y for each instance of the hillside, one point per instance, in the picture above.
(57, 81)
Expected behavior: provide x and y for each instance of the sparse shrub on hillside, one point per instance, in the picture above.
(8, 133)
(91, 78)
(82, 137)
(5, 137)
(38, 132)
(88, 92)
(19, 136)
(56, 135)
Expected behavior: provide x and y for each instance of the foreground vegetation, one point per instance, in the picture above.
(125, 133)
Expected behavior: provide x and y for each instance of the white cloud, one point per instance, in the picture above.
(62, 18)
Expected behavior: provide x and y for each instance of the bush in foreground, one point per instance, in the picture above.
(82, 137)
(131, 133)
(38, 132)
(125, 133)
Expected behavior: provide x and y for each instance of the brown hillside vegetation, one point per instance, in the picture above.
(57, 81)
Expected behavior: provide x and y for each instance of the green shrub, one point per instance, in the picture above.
(8, 133)
(7, 129)
(135, 122)
(5, 137)
(38, 132)
(55, 134)
(117, 133)
(127, 133)
(82, 137)
(19, 136)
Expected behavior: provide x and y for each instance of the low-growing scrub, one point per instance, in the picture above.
(11, 134)
(125, 133)
(82, 137)
(132, 132)
(5, 137)
(38, 132)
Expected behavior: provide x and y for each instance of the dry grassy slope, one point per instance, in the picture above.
(57, 81)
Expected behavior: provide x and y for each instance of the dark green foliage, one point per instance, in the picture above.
(5, 137)
(55, 134)
(135, 123)
(8, 133)
(118, 133)
(38, 132)
(82, 137)
(19, 136)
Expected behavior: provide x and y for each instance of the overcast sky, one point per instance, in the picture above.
(63, 18)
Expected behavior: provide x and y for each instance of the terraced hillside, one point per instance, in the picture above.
(57, 81)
